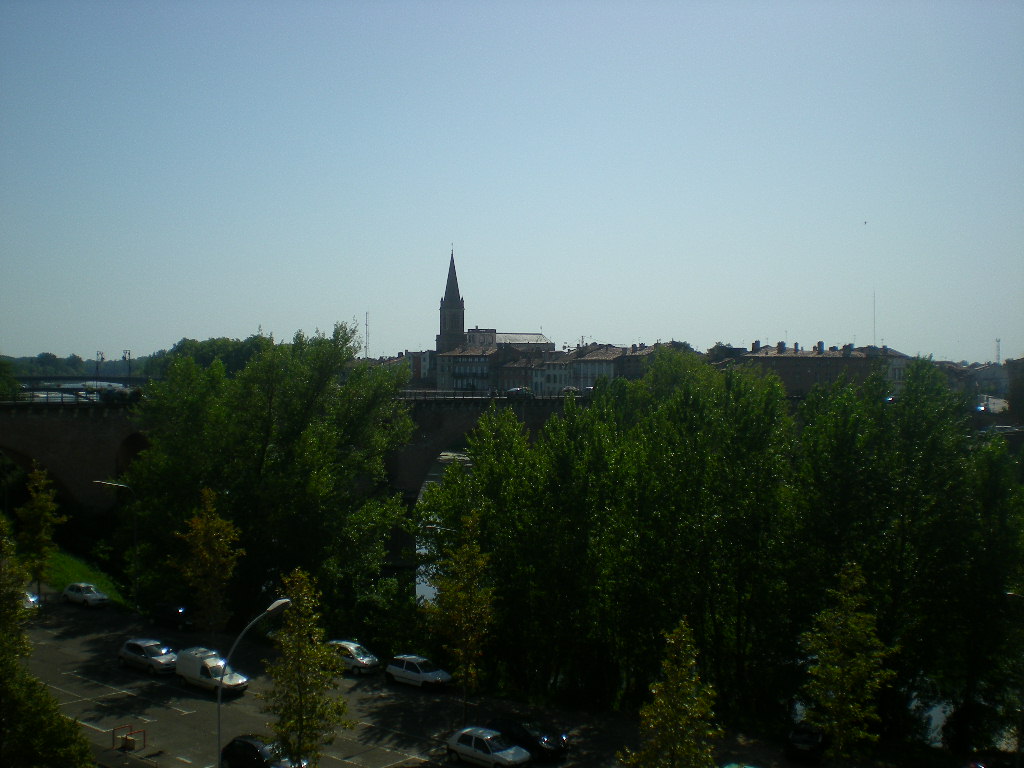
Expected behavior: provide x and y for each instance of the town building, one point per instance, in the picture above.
(802, 369)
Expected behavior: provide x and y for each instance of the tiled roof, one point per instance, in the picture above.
(469, 352)
(522, 338)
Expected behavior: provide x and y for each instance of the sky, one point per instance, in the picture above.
(612, 172)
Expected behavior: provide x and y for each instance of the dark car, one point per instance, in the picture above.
(542, 742)
(519, 393)
(805, 742)
(253, 752)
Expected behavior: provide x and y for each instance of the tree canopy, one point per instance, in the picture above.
(703, 493)
(293, 446)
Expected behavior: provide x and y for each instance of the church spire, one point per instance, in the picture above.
(453, 313)
(451, 289)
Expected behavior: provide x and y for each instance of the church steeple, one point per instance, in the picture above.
(453, 313)
(451, 288)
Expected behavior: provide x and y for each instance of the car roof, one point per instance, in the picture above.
(199, 651)
(145, 641)
(411, 657)
(476, 730)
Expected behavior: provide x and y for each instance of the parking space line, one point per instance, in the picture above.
(116, 690)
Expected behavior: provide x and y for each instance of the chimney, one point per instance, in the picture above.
(756, 346)
(821, 347)
(796, 347)
(780, 347)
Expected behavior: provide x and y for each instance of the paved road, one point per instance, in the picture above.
(75, 655)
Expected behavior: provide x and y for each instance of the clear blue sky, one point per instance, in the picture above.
(608, 171)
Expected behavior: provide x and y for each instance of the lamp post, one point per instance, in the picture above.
(127, 357)
(135, 539)
(272, 610)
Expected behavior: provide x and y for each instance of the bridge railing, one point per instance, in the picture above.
(68, 397)
(460, 394)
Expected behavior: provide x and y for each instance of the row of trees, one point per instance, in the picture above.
(697, 494)
(565, 560)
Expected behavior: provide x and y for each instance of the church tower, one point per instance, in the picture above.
(453, 314)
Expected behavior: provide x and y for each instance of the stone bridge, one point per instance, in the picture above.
(79, 442)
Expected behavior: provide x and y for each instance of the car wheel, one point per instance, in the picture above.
(389, 677)
(65, 599)
(453, 756)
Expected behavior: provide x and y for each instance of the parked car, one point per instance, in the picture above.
(484, 747)
(203, 668)
(415, 670)
(355, 656)
(30, 600)
(541, 742)
(805, 742)
(84, 594)
(149, 655)
(519, 393)
(253, 752)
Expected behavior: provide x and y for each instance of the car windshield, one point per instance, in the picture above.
(426, 666)
(157, 650)
(360, 652)
(89, 590)
(497, 744)
(215, 669)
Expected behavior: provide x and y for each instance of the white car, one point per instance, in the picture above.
(484, 747)
(151, 655)
(355, 656)
(416, 670)
(204, 668)
(84, 594)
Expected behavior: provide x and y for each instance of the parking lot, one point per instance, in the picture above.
(168, 724)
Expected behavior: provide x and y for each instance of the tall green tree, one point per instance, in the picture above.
(293, 445)
(37, 520)
(33, 730)
(304, 677)
(461, 611)
(660, 498)
(846, 669)
(677, 727)
(906, 488)
(8, 384)
(208, 563)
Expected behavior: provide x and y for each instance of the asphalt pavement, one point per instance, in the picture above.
(169, 724)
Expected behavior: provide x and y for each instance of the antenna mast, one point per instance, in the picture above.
(366, 335)
(997, 351)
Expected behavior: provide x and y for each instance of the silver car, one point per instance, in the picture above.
(84, 594)
(484, 747)
(149, 655)
(416, 670)
(355, 657)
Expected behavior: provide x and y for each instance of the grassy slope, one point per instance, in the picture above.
(65, 569)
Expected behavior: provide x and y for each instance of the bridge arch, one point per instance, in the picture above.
(81, 442)
(77, 443)
(442, 425)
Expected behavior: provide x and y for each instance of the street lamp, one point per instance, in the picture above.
(272, 610)
(135, 538)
